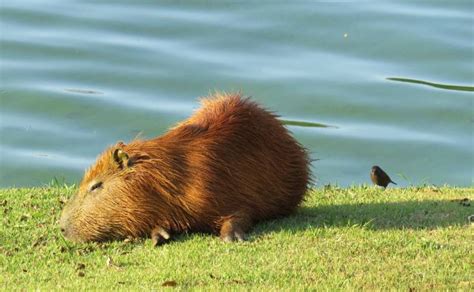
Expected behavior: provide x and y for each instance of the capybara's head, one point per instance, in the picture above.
(112, 201)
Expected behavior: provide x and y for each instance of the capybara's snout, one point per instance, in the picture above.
(65, 226)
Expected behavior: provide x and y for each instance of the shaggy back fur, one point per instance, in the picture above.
(230, 157)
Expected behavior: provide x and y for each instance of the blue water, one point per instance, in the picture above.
(77, 76)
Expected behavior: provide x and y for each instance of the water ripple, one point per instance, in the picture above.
(305, 124)
(432, 84)
(45, 157)
(44, 126)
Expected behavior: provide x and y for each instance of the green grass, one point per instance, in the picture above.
(342, 238)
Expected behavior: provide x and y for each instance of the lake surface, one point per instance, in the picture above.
(392, 79)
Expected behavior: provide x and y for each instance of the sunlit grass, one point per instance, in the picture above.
(358, 237)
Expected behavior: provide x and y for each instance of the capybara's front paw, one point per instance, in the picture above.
(159, 236)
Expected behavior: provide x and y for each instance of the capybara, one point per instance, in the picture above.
(228, 166)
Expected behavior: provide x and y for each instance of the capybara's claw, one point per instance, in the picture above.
(233, 236)
(159, 236)
(233, 227)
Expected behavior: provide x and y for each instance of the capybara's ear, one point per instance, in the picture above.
(121, 157)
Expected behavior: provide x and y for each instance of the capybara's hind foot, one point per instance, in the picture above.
(233, 234)
(159, 236)
(233, 227)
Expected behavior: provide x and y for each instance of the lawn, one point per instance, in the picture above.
(341, 238)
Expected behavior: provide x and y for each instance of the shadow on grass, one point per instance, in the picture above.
(374, 216)
(418, 215)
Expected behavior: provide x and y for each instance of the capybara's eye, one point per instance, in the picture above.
(96, 186)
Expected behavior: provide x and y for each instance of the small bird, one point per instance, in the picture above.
(379, 177)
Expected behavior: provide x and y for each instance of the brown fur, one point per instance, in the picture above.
(225, 168)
